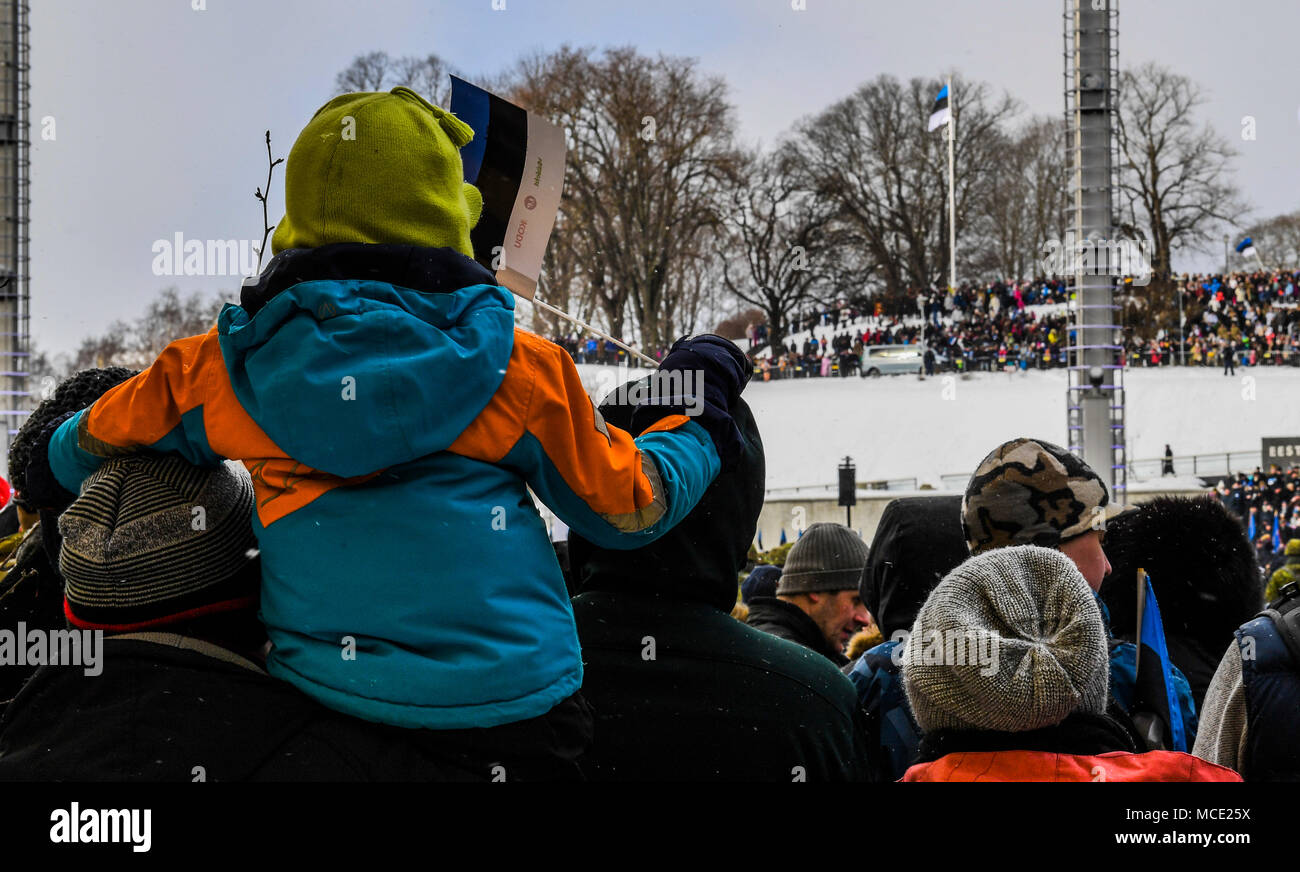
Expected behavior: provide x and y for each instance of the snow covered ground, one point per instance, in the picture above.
(904, 427)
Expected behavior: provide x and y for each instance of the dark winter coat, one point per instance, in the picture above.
(918, 541)
(681, 690)
(172, 708)
(1202, 568)
(31, 593)
(787, 621)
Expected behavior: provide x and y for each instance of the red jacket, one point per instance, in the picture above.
(1049, 766)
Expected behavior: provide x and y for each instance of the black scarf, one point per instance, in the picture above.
(432, 270)
(1080, 733)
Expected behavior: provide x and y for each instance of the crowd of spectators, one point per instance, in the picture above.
(982, 327)
(1246, 319)
(1249, 316)
(1268, 503)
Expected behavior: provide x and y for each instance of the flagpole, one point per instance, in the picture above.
(1141, 607)
(952, 198)
(584, 325)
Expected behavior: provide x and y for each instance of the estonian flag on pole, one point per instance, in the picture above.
(940, 115)
(1246, 247)
(782, 535)
(1277, 532)
(1250, 529)
(1155, 703)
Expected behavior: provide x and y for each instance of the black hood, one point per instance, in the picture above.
(700, 559)
(918, 541)
(1202, 568)
(433, 270)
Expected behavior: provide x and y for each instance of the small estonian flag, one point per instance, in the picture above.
(1277, 532)
(941, 114)
(1246, 247)
(783, 535)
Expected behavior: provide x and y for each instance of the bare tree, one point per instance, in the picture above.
(428, 76)
(169, 317)
(1174, 176)
(1026, 201)
(1277, 240)
(779, 240)
(367, 72)
(651, 155)
(872, 156)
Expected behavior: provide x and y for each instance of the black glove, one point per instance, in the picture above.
(725, 371)
(43, 490)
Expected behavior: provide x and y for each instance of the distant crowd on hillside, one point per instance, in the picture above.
(1242, 319)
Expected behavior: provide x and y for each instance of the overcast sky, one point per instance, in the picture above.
(158, 109)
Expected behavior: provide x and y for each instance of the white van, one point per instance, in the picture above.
(892, 359)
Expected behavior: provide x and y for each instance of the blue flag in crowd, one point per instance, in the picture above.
(1277, 533)
(1153, 690)
(1250, 529)
(760, 540)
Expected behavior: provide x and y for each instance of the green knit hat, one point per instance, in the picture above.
(379, 168)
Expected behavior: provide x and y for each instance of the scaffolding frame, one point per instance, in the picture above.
(1095, 405)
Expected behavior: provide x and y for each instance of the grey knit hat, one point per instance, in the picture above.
(1030, 492)
(825, 557)
(155, 540)
(1011, 640)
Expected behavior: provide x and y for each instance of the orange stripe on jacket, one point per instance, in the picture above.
(543, 394)
(146, 407)
(188, 374)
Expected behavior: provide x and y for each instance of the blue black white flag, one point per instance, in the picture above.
(516, 160)
(1156, 711)
(1246, 248)
(941, 114)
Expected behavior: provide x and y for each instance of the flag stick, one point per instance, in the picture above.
(585, 326)
(1141, 607)
(952, 197)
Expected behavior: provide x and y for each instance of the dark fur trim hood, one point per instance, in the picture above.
(1201, 565)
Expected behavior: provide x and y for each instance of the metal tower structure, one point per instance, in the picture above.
(1095, 396)
(15, 199)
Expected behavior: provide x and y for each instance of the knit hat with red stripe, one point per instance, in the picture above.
(155, 540)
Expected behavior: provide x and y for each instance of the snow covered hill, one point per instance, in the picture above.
(904, 427)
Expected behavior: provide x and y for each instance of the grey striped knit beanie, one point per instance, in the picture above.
(1011, 640)
(155, 540)
(826, 557)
